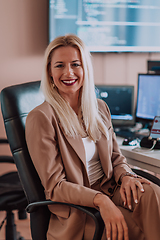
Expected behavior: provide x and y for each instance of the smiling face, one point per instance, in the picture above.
(67, 71)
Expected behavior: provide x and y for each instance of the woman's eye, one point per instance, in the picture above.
(59, 66)
(76, 65)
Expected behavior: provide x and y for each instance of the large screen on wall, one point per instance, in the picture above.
(108, 25)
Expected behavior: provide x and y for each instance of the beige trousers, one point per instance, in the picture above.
(143, 220)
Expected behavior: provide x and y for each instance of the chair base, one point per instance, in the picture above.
(11, 232)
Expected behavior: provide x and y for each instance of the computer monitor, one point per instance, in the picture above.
(120, 100)
(148, 98)
(108, 25)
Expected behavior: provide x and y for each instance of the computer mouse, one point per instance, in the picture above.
(126, 141)
(129, 142)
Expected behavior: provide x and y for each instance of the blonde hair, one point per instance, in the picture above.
(92, 120)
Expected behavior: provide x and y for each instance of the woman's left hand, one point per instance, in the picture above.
(129, 187)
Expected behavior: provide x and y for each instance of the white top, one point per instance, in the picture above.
(93, 163)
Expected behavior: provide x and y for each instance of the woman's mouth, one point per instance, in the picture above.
(69, 82)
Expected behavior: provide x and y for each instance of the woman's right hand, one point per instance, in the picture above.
(116, 227)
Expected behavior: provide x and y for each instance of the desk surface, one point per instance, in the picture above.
(149, 160)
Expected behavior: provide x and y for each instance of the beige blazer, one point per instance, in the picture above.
(61, 165)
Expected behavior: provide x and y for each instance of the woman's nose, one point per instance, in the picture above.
(68, 71)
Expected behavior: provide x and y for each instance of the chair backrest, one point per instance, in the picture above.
(16, 102)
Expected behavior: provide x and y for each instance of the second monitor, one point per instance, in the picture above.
(120, 99)
(148, 98)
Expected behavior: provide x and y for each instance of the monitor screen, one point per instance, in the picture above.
(120, 100)
(148, 97)
(107, 25)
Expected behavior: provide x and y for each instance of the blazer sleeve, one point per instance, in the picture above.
(42, 144)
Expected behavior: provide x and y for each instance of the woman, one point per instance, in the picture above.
(73, 147)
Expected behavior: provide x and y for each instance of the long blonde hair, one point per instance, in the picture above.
(92, 120)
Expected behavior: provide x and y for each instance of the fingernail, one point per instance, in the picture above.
(136, 201)
(142, 190)
(124, 203)
(130, 207)
(108, 239)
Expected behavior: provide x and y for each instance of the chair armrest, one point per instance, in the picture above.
(6, 159)
(92, 212)
(32, 207)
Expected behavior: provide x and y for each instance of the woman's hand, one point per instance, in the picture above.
(129, 187)
(116, 227)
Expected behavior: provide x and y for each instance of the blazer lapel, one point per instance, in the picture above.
(77, 145)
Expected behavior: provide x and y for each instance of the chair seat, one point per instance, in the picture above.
(12, 196)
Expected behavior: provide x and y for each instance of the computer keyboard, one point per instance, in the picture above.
(126, 133)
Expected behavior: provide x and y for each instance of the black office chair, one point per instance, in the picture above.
(16, 102)
(12, 198)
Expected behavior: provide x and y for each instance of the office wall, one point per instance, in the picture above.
(23, 39)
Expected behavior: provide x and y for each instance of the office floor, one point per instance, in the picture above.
(22, 227)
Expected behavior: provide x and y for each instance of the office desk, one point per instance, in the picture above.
(146, 160)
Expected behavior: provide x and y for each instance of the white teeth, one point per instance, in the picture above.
(72, 81)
